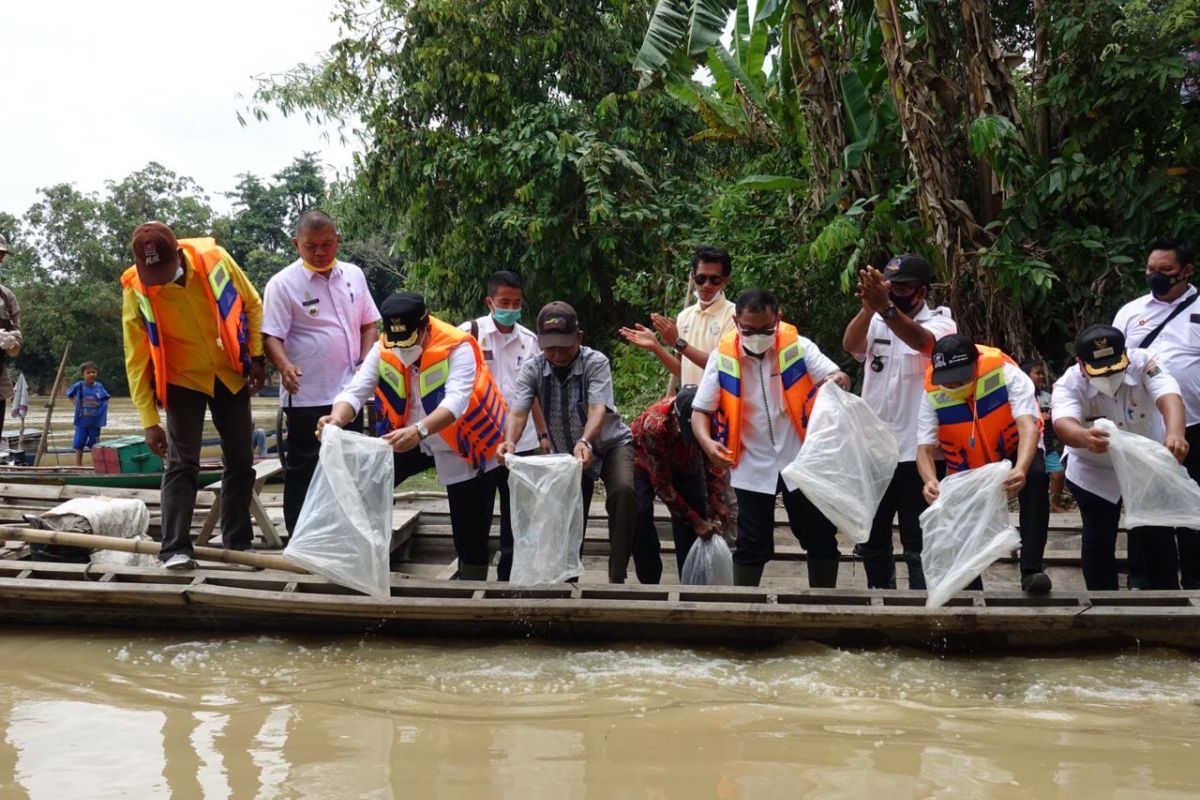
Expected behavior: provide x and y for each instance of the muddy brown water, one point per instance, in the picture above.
(118, 714)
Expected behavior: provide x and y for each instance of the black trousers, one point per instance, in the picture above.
(504, 568)
(1101, 519)
(756, 526)
(1034, 516)
(471, 504)
(1187, 539)
(303, 449)
(904, 497)
(647, 554)
(185, 433)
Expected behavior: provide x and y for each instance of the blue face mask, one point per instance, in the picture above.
(506, 316)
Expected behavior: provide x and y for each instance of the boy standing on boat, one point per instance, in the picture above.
(893, 335)
(91, 409)
(759, 388)
(318, 322)
(192, 326)
(439, 407)
(980, 408)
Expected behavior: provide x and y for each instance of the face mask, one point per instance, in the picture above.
(408, 355)
(962, 392)
(1161, 284)
(758, 344)
(506, 316)
(1108, 385)
(318, 270)
(903, 304)
(718, 296)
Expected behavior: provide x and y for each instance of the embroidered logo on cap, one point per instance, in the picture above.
(939, 360)
(150, 254)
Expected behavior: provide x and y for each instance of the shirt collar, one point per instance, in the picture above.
(336, 271)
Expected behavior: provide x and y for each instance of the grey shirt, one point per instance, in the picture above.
(565, 401)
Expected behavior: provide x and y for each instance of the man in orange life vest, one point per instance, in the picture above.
(981, 408)
(438, 406)
(192, 326)
(759, 388)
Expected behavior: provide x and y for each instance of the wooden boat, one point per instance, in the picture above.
(87, 476)
(426, 601)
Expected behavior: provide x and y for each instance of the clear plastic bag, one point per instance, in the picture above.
(547, 518)
(847, 462)
(344, 532)
(966, 530)
(1156, 489)
(708, 563)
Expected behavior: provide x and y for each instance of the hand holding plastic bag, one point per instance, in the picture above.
(847, 462)
(547, 518)
(1156, 489)
(708, 563)
(344, 532)
(966, 530)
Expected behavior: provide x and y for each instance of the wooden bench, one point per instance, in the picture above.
(263, 471)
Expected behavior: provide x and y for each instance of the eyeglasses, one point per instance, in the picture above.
(703, 279)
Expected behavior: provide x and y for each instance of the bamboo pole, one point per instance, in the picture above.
(37, 461)
(93, 542)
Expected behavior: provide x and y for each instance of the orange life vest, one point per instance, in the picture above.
(799, 393)
(978, 430)
(214, 266)
(478, 432)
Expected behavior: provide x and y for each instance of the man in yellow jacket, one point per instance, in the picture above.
(193, 340)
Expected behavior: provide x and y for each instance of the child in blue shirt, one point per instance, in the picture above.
(91, 408)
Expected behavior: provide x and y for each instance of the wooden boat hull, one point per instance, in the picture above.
(86, 476)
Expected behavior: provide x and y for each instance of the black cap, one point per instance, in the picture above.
(908, 268)
(1101, 348)
(404, 317)
(557, 325)
(954, 358)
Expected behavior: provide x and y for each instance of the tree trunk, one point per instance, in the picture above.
(1040, 74)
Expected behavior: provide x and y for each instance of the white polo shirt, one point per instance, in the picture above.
(1177, 348)
(895, 392)
(320, 320)
(703, 329)
(1134, 409)
(451, 467)
(505, 354)
(769, 440)
(1022, 398)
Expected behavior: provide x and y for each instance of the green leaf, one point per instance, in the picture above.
(858, 111)
(772, 182)
(666, 32)
(768, 9)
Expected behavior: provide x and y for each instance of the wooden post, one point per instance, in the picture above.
(37, 461)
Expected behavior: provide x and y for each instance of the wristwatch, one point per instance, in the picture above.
(889, 312)
(681, 344)
(586, 442)
(422, 431)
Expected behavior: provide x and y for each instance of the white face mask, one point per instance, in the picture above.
(758, 344)
(408, 355)
(1108, 385)
(718, 296)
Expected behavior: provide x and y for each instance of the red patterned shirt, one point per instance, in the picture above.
(660, 450)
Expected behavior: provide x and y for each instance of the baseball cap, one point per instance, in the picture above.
(404, 317)
(155, 253)
(908, 268)
(557, 325)
(1101, 348)
(953, 358)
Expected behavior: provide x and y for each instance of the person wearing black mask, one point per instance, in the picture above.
(894, 334)
(1167, 323)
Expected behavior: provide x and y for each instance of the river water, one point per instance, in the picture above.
(87, 714)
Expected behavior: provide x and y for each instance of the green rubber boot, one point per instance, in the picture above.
(916, 573)
(747, 574)
(472, 572)
(822, 573)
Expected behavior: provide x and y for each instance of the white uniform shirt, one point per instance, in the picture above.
(505, 354)
(703, 329)
(1177, 348)
(451, 467)
(1134, 409)
(896, 392)
(320, 321)
(1022, 398)
(769, 440)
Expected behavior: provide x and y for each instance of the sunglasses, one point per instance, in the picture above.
(760, 332)
(713, 279)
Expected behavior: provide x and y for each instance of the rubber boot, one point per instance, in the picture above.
(916, 572)
(822, 573)
(747, 574)
(881, 572)
(472, 572)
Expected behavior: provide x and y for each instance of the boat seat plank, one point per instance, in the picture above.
(263, 471)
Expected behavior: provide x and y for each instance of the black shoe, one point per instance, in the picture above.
(1035, 583)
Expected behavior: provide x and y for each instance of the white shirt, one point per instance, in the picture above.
(1134, 409)
(769, 440)
(703, 329)
(320, 321)
(1022, 398)
(1177, 348)
(505, 354)
(896, 392)
(451, 467)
